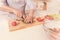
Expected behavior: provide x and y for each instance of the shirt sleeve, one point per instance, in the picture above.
(30, 4)
(2, 2)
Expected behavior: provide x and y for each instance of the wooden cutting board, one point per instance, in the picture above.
(22, 25)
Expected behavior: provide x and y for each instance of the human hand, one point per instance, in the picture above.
(28, 19)
(19, 14)
(54, 33)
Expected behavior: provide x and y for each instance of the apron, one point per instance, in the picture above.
(16, 4)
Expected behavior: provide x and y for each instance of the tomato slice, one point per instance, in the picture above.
(14, 23)
(39, 19)
(49, 17)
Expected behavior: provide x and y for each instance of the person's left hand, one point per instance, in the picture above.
(28, 19)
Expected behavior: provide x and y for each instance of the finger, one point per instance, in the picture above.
(25, 20)
(52, 37)
(31, 21)
(28, 21)
(24, 16)
(55, 30)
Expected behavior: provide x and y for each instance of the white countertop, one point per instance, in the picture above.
(33, 33)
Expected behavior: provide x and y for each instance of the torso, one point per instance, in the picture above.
(17, 4)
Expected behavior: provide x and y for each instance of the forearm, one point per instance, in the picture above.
(31, 12)
(6, 8)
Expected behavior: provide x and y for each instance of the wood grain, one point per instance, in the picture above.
(22, 25)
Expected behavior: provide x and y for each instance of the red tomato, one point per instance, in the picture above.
(39, 19)
(14, 23)
(48, 17)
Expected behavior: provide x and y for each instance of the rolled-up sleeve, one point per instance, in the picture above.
(30, 4)
(2, 2)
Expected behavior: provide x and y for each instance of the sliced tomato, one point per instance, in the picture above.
(14, 23)
(49, 17)
(39, 19)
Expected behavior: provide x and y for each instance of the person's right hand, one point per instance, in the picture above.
(19, 14)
